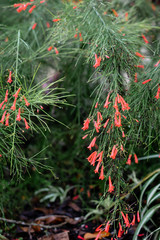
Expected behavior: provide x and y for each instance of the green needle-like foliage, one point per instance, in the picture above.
(111, 45)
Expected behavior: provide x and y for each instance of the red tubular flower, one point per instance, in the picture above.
(32, 8)
(48, 24)
(10, 77)
(126, 16)
(17, 5)
(80, 35)
(92, 143)
(135, 158)
(19, 115)
(134, 220)
(145, 39)
(79, 237)
(20, 9)
(99, 156)
(86, 124)
(3, 117)
(6, 96)
(125, 219)
(117, 122)
(115, 103)
(138, 217)
(139, 55)
(25, 6)
(107, 227)
(92, 158)
(135, 78)
(56, 19)
(102, 173)
(122, 148)
(14, 105)
(115, 13)
(1, 104)
(114, 152)
(98, 228)
(50, 48)
(124, 105)
(158, 93)
(34, 26)
(56, 50)
(3, 107)
(118, 98)
(97, 167)
(157, 63)
(123, 216)
(111, 187)
(123, 135)
(84, 136)
(97, 127)
(105, 125)
(26, 102)
(26, 124)
(98, 235)
(120, 231)
(146, 81)
(96, 105)
(129, 159)
(7, 119)
(98, 61)
(43, 1)
(16, 94)
(139, 66)
(107, 101)
(99, 117)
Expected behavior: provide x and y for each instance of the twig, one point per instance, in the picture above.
(32, 224)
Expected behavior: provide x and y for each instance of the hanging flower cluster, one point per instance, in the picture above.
(96, 157)
(122, 225)
(5, 104)
(108, 120)
(23, 6)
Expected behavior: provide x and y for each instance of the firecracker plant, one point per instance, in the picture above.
(126, 104)
(119, 42)
(23, 97)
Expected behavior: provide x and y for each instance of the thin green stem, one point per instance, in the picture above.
(15, 84)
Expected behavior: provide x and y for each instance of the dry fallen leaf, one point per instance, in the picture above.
(94, 235)
(61, 236)
(57, 219)
(74, 206)
(27, 229)
(37, 228)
